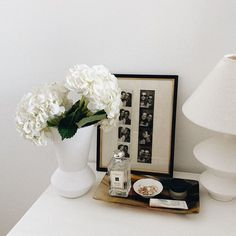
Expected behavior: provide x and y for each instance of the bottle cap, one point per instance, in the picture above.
(118, 154)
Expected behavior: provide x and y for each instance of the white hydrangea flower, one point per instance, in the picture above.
(99, 87)
(79, 79)
(38, 107)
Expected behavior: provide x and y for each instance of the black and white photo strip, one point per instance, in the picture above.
(125, 116)
(124, 129)
(146, 112)
(124, 134)
(145, 137)
(126, 98)
(125, 148)
(144, 154)
(146, 118)
(147, 98)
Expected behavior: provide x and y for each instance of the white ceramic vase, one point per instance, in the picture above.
(74, 177)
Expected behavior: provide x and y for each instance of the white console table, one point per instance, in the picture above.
(52, 215)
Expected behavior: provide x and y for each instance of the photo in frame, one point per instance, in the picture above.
(146, 127)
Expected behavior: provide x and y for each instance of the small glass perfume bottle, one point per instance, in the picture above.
(119, 175)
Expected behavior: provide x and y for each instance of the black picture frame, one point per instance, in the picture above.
(168, 173)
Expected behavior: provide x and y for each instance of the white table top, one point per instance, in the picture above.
(54, 215)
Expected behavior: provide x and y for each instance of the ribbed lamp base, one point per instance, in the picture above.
(218, 155)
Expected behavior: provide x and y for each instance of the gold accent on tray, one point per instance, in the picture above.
(135, 200)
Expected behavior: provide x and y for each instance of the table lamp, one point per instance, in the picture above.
(213, 106)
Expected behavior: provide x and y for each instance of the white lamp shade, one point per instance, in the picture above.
(213, 104)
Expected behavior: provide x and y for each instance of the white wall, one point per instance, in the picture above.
(39, 40)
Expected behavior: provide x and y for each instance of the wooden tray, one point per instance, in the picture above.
(192, 198)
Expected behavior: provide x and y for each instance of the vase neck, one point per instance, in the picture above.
(72, 154)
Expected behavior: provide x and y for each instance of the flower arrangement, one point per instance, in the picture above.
(49, 106)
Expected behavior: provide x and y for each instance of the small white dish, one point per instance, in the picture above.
(147, 183)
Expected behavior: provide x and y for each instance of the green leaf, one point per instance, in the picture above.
(83, 102)
(73, 108)
(67, 127)
(91, 120)
(78, 115)
(100, 112)
(54, 122)
(78, 110)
